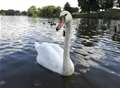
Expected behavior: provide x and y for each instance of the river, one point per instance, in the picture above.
(95, 51)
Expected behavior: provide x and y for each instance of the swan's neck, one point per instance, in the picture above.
(67, 41)
(66, 55)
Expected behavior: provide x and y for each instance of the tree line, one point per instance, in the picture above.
(52, 11)
(12, 12)
(97, 5)
(46, 11)
(70, 9)
(49, 11)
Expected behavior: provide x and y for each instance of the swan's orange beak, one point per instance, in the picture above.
(61, 23)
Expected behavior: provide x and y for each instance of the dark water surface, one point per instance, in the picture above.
(95, 52)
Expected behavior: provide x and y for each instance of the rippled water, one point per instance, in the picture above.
(96, 55)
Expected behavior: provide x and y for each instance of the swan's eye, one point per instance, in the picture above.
(65, 15)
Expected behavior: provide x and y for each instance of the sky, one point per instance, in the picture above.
(25, 4)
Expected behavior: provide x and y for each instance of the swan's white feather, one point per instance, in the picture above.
(50, 56)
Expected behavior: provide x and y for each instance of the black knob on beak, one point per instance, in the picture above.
(57, 28)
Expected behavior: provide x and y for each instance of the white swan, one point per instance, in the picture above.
(52, 56)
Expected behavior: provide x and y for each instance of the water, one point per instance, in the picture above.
(95, 52)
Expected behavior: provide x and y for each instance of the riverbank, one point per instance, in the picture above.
(110, 14)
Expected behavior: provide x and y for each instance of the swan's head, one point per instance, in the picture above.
(65, 18)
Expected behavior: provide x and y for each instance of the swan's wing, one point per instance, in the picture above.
(49, 58)
(57, 48)
(53, 46)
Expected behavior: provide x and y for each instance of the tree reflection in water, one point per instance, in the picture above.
(91, 29)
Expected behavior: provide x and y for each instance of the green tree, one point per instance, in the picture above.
(95, 5)
(118, 3)
(23, 13)
(50, 11)
(32, 11)
(88, 5)
(107, 4)
(47, 11)
(69, 8)
(57, 11)
(101, 5)
(39, 12)
(2, 12)
(84, 6)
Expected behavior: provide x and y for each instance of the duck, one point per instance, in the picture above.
(53, 57)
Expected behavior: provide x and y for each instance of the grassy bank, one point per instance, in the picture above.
(110, 14)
